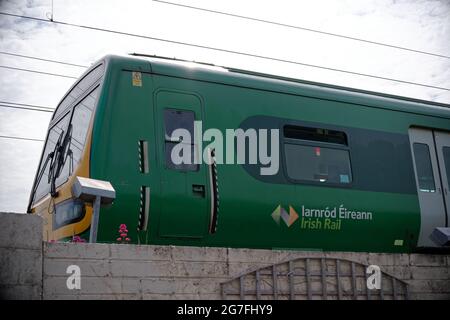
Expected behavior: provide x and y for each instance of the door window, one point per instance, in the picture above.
(179, 119)
(446, 153)
(424, 168)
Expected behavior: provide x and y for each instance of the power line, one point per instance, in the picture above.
(225, 50)
(39, 72)
(24, 108)
(302, 28)
(20, 138)
(42, 59)
(27, 105)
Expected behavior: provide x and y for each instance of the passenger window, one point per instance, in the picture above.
(317, 155)
(318, 164)
(424, 168)
(179, 119)
(315, 134)
(446, 153)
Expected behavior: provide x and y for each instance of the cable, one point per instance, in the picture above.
(21, 138)
(302, 28)
(40, 72)
(24, 108)
(27, 105)
(42, 59)
(225, 50)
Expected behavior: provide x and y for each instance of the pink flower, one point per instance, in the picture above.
(123, 232)
(77, 239)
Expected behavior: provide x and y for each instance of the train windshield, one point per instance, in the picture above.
(67, 135)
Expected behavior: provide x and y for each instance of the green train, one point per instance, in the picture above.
(268, 162)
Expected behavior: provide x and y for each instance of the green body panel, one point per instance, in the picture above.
(126, 114)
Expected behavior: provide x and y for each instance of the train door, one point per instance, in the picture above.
(183, 185)
(442, 141)
(431, 157)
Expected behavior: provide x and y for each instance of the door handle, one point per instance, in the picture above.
(198, 190)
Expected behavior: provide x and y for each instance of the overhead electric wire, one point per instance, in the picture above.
(42, 59)
(26, 105)
(24, 108)
(39, 72)
(20, 138)
(302, 28)
(223, 50)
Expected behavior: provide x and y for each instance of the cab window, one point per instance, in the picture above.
(55, 134)
(83, 85)
(65, 145)
(79, 127)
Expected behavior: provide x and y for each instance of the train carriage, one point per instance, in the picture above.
(343, 169)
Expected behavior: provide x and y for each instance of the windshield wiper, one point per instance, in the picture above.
(59, 159)
(38, 179)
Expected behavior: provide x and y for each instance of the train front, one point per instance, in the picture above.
(65, 156)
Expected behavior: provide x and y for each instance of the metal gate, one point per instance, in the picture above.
(313, 279)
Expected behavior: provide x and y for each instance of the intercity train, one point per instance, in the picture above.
(342, 169)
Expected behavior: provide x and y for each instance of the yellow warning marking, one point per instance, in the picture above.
(137, 79)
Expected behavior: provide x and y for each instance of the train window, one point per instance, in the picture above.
(68, 212)
(317, 164)
(317, 155)
(77, 91)
(80, 122)
(55, 133)
(179, 119)
(446, 152)
(315, 134)
(424, 167)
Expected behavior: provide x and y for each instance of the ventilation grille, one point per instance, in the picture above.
(143, 156)
(144, 207)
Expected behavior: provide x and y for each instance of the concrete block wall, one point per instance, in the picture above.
(134, 272)
(32, 269)
(20, 256)
(168, 272)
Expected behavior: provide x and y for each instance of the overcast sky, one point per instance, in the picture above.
(417, 24)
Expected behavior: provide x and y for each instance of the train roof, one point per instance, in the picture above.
(254, 80)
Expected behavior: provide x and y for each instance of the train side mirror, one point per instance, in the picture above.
(97, 192)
